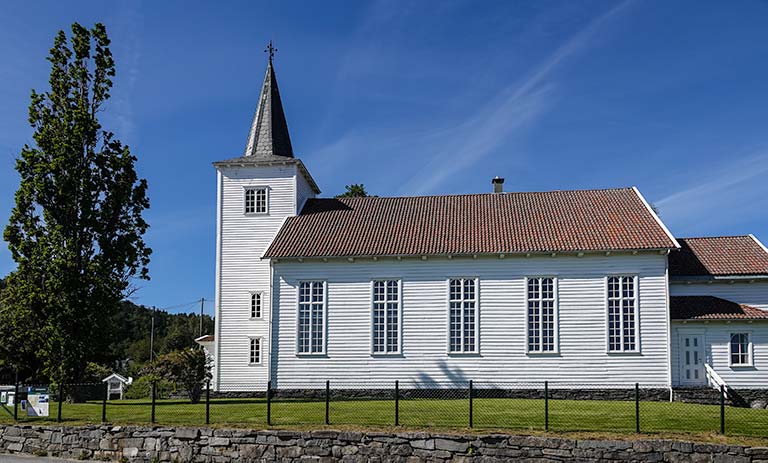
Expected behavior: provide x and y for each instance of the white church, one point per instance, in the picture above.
(580, 287)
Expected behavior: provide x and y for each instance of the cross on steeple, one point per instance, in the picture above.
(271, 50)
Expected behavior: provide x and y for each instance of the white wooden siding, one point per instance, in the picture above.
(243, 240)
(717, 336)
(754, 294)
(303, 191)
(502, 316)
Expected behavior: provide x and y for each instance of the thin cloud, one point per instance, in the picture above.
(727, 193)
(128, 54)
(457, 145)
(511, 110)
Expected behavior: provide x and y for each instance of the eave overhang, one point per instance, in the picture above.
(256, 162)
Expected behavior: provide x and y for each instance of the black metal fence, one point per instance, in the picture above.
(460, 404)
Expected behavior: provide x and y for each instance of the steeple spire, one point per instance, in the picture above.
(269, 130)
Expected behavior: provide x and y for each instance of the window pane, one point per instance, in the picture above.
(740, 349)
(622, 325)
(255, 350)
(256, 305)
(261, 201)
(462, 313)
(311, 329)
(386, 312)
(541, 315)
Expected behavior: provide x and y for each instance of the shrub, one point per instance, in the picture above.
(188, 368)
(142, 388)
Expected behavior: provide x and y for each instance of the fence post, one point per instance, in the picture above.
(61, 398)
(154, 398)
(397, 403)
(546, 405)
(637, 407)
(470, 404)
(16, 399)
(327, 402)
(104, 403)
(722, 409)
(269, 403)
(208, 402)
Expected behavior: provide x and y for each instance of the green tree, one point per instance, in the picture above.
(356, 190)
(188, 368)
(76, 232)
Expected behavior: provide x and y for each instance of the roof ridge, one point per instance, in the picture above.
(491, 194)
(713, 237)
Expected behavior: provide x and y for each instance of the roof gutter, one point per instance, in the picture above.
(719, 278)
(577, 253)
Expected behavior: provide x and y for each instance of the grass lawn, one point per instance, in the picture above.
(526, 414)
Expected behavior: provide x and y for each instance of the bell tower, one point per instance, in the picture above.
(256, 192)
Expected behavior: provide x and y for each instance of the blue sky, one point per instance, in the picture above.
(420, 98)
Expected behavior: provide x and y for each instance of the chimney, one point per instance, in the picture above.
(498, 184)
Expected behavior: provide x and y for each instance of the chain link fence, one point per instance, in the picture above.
(461, 404)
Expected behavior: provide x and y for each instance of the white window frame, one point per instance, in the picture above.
(636, 286)
(462, 351)
(324, 319)
(260, 294)
(255, 188)
(258, 339)
(750, 350)
(386, 323)
(556, 317)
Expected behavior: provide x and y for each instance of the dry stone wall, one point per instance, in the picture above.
(164, 444)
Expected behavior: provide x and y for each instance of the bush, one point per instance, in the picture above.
(142, 389)
(188, 368)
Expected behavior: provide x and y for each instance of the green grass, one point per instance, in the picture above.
(520, 414)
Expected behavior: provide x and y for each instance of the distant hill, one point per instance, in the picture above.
(132, 325)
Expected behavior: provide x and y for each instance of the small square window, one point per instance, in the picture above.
(255, 200)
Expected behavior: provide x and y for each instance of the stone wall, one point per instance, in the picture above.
(149, 444)
(646, 394)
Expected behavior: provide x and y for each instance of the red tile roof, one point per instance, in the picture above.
(712, 308)
(719, 256)
(514, 223)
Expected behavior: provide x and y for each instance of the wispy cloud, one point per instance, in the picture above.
(128, 56)
(462, 141)
(511, 110)
(725, 192)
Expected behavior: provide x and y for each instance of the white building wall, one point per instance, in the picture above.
(717, 337)
(303, 192)
(240, 270)
(502, 339)
(754, 294)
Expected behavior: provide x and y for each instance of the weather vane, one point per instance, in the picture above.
(271, 50)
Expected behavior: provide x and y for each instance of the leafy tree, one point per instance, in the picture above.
(356, 190)
(189, 368)
(95, 373)
(76, 232)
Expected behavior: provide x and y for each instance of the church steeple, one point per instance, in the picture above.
(269, 130)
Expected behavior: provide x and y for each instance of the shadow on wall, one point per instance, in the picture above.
(453, 375)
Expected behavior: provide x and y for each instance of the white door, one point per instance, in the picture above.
(692, 359)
